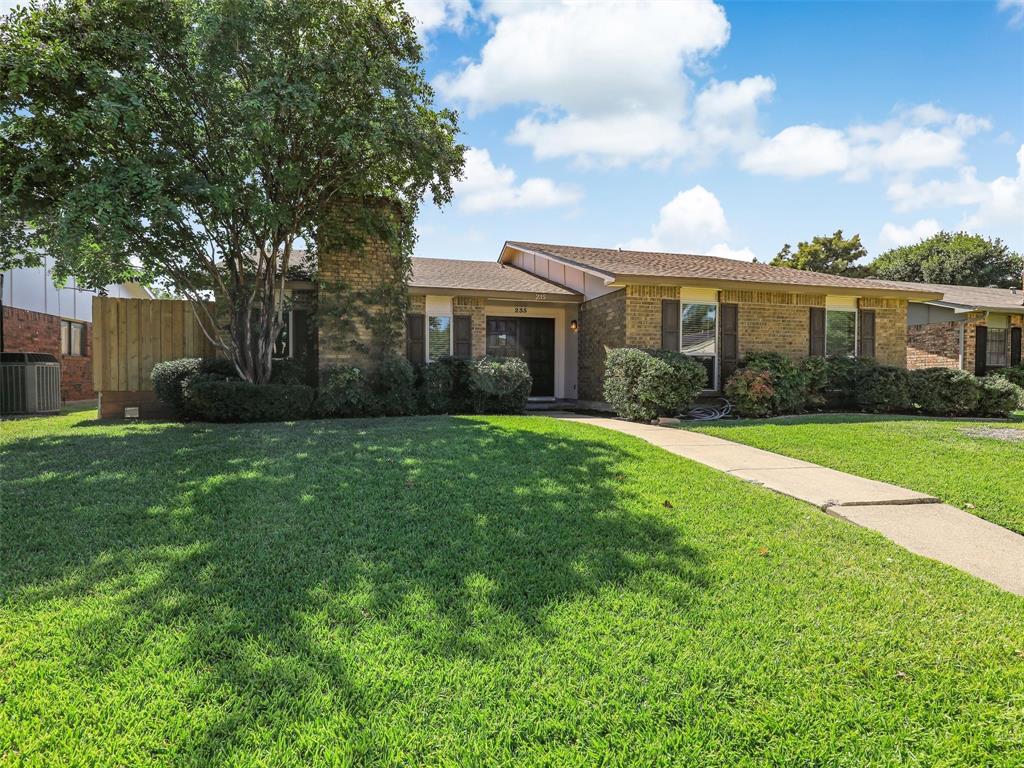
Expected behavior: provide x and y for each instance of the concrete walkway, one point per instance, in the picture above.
(915, 521)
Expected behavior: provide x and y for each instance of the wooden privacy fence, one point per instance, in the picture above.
(129, 336)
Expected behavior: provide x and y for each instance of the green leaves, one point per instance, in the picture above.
(953, 259)
(832, 254)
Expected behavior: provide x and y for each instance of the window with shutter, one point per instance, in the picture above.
(670, 325)
(730, 339)
(866, 338)
(463, 343)
(817, 334)
(980, 349)
(415, 339)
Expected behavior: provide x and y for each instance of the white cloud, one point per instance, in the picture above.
(725, 113)
(996, 204)
(800, 150)
(1016, 9)
(893, 235)
(692, 222)
(487, 187)
(605, 79)
(431, 15)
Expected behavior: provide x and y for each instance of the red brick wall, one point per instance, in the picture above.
(26, 331)
(933, 345)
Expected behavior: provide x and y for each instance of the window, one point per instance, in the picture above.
(72, 338)
(439, 336)
(283, 344)
(840, 333)
(995, 348)
(698, 336)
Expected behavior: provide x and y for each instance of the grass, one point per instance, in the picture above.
(935, 456)
(469, 591)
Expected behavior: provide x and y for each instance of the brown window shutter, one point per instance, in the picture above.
(730, 326)
(670, 324)
(415, 339)
(980, 349)
(1015, 334)
(866, 333)
(463, 339)
(817, 340)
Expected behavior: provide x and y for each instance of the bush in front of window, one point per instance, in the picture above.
(443, 386)
(287, 370)
(212, 398)
(392, 381)
(642, 385)
(882, 389)
(1014, 374)
(751, 393)
(998, 396)
(169, 378)
(789, 381)
(499, 385)
(944, 391)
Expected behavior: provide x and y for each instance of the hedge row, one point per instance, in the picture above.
(771, 384)
(209, 390)
(644, 384)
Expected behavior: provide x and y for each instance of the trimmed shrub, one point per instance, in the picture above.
(641, 385)
(216, 399)
(393, 384)
(751, 392)
(882, 389)
(998, 396)
(944, 391)
(1014, 374)
(499, 385)
(843, 375)
(343, 392)
(816, 375)
(170, 376)
(287, 370)
(788, 379)
(443, 386)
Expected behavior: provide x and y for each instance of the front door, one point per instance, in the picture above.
(533, 339)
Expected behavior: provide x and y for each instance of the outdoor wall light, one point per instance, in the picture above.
(574, 326)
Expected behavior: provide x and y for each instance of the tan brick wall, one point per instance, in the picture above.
(352, 331)
(474, 307)
(933, 345)
(774, 328)
(772, 297)
(890, 330)
(417, 305)
(602, 325)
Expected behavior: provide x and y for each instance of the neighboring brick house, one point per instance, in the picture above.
(38, 317)
(974, 329)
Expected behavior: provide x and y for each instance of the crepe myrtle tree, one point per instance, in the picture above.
(194, 142)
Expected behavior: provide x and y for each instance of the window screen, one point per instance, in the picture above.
(72, 338)
(840, 334)
(995, 350)
(439, 336)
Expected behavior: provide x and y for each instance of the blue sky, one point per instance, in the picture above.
(727, 128)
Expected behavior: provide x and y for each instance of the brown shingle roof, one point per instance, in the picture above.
(972, 296)
(457, 274)
(617, 263)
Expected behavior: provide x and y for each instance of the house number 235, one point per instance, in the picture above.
(520, 310)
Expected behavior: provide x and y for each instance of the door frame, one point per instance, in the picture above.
(507, 309)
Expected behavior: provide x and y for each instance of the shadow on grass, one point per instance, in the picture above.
(264, 546)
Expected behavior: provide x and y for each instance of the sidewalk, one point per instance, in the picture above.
(915, 521)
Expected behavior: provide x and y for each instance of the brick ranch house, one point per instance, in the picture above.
(38, 317)
(973, 329)
(561, 306)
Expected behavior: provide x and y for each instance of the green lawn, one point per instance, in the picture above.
(936, 456)
(463, 592)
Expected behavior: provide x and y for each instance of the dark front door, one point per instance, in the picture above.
(533, 339)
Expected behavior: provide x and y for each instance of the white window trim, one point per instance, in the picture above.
(716, 365)
(856, 327)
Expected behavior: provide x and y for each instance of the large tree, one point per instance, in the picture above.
(833, 254)
(953, 259)
(197, 141)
